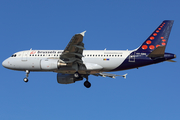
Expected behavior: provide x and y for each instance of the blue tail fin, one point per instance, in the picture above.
(158, 38)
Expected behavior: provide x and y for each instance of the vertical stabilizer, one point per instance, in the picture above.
(158, 38)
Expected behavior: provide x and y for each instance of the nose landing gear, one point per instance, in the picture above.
(27, 74)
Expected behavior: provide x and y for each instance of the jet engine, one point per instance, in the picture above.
(51, 64)
(66, 78)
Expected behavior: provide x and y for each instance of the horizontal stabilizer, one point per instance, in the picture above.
(158, 52)
(170, 60)
(110, 75)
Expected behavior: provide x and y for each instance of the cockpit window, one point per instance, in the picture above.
(14, 55)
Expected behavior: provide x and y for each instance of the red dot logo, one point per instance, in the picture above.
(157, 46)
(163, 43)
(164, 40)
(152, 38)
(144, 47)
(155, 34)
(148, 42)
(151, 47)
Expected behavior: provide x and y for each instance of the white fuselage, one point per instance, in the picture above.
(94, 60)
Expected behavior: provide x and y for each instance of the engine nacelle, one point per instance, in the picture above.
(51, 64)
(67, 78)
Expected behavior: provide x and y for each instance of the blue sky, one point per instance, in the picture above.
(150, 92)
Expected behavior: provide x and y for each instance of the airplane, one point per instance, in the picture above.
(74, 63)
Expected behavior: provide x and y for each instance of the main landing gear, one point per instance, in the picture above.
(87, 84)
(27, 74)
(77, 76)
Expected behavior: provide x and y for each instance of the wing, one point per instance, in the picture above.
(109, 75)
(73, 51)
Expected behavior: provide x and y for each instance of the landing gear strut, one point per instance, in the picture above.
(77, 76)
(27, 74)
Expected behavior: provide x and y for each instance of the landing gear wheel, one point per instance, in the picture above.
(27, 74)
(76, 75)
(25, 80)
(87, 84)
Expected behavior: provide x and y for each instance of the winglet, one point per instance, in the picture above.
(83, 33)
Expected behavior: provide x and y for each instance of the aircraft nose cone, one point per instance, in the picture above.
(5, 63)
